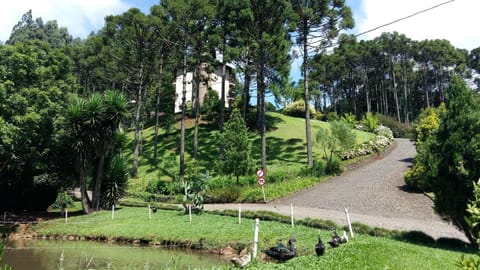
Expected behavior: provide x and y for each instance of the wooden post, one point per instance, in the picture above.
(66, 216)
(190, 212)
(291, 214)
(255, 238)
(149, 212)
(113, 211)
(349, 223)
(239, 214)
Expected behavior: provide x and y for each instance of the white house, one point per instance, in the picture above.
(213, 81)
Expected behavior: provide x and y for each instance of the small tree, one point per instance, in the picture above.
(455, 155)
(473, 221)
(237, 158)
(339, 137)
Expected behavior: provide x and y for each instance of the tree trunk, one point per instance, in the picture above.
(98, 182)
(222, 99)
(246, 87)
(405, 94)
(136, 149)
(427, 98)
(306, 94)
(395, 92)
(157, 117)
(261, 90)
(182, 122)
(82, 179)
(196, 109)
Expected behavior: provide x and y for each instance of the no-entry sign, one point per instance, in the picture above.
(261, 181)
(260, 173)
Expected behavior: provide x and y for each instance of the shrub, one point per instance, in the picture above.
(317, 170)
(62, 201)
(369, 122)
(297, 109)
(211, 105)
(349, 119)
(332, 116)
(334, 165)
(384, 131)
(115, 181)
(227, 194)
(399, 130)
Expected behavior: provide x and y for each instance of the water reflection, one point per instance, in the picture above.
(51, 255)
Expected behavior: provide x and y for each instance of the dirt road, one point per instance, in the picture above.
(374, 194)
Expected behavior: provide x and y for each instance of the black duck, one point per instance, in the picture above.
(335, 241)
(282, 252)
(319, 247)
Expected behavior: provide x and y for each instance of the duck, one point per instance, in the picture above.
(344, 238)
(154, 209)
(335, 241)
(241, 261)
(281, 252)
(319, 247)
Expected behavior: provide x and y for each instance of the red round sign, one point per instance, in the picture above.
(260, 173)
(261, 181)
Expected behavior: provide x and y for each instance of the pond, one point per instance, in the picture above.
(64, 255)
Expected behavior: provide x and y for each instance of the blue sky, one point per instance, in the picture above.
(455, 21)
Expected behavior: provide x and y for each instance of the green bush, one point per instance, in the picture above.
(333, 165)
(317, 170)
(399, 130)
(349, 119)
(369, 122)
(332, 116)
(297, 109)
(211, 106)
(227, 194)
(384, 131)
(62, 201)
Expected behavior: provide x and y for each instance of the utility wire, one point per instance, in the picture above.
(334, 44)
(404, 18)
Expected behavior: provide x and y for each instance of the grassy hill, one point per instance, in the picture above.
(286, 151)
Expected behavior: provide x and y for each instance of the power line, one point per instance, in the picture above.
(404, 18)
(334, 44)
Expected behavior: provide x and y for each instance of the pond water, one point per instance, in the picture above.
(64, 255)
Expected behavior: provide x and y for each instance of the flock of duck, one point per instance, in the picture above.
(282, 252)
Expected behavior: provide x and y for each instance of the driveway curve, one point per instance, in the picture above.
(374, 194)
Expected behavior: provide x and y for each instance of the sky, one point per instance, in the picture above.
(456, 20)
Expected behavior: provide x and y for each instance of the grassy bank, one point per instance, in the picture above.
(212, 232)
(286, 159)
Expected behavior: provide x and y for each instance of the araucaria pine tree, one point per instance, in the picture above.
(237, 158)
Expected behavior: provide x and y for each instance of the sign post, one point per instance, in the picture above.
(261, 181)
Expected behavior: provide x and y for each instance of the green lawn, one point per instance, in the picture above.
(209, 231)
(285, 148)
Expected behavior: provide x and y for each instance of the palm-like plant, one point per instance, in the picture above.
(92, 125)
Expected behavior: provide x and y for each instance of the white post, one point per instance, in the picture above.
(263, 191)
(239, 214)
(291, 213)
(349, 223)
(149, 212)
(255, 237)
(66, 216)
(113, 211)
(190, 212)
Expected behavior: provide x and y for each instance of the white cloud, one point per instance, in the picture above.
(79, 16)
(456, 21)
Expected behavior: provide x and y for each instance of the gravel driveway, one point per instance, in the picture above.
(374, 194)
